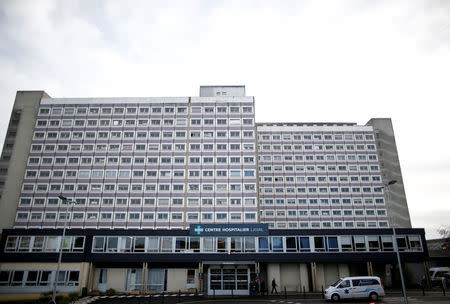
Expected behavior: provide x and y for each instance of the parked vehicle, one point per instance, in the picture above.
(355, 287)
(437, 274)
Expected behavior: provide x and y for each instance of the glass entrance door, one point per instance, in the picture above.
(228, 280)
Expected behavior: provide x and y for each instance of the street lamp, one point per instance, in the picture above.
(64, 199)
(388, 195)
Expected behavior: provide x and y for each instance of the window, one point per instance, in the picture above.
(346, 243)
(374, 243)
(387, 243)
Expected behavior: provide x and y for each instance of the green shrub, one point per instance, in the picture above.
(111, 292)
(73, 296)
(44, 299)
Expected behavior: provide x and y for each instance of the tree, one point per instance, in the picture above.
(444, 231)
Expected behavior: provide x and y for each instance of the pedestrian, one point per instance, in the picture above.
(274, 286)
(424, 282)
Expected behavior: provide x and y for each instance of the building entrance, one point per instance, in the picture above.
(227, 280)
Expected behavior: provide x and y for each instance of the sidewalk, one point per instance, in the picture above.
(185, 297)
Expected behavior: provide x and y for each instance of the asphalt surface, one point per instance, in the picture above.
(168, 299)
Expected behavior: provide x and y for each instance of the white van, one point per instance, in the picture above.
(437, 274)
(355, 287)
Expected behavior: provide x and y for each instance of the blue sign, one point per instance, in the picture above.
(228, 229)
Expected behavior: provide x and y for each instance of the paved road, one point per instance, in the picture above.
(202, 300)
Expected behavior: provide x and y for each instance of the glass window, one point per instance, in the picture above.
(414, 243)
(319, 243)
(333, 244)
(32, 278)
(11, 243)
(166, 244)
(387, 243)
(291, 244)
(17, 278)
(112, 244)
(304, 244)
(250, 244)
(401, 243)
(346, 243)
(263, 244)
(194, 244)
(374, 243)
(360, 243)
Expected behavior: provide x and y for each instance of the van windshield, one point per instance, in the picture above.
(336, 283)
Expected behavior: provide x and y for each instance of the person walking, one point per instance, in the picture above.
(274, 286)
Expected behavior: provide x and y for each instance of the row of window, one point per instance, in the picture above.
(136, 160)
(320, 179)
(193, 217)
(324, 224)
(196, 188)
(324, 190)
(138, 147)
(319, 168)
(317, 147)
(137, 216)
(162, 187)
(152, 174)
(318, 157)
(129, 135)
(195, 201)
(220, 173)
(263, 244)
(324, 213)
(30, 278)
(119, 122)
(322, 201)
(137, 201)
(44, 243)
(153, 147)
(315, 137)
(144, 109)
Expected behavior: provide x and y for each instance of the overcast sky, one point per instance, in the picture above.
(302, 60)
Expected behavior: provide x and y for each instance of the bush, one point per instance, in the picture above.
(44, 299)
(60, 299)
(73, 296)
(111, 292)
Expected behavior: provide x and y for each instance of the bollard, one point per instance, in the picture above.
(214, 293)
(304, 292)
(179, 296)
(196, 292)
(285, 293)
(231, 293)
(423, 290)
(323, 294)
(162, 298)
(443, 287)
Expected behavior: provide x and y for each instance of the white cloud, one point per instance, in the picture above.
(314, 60)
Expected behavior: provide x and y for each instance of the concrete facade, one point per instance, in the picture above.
(390, 169)
(15, 152)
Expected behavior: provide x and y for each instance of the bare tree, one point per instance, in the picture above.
(444, 231)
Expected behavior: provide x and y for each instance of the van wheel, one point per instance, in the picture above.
(335, 297)
(373, 296)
